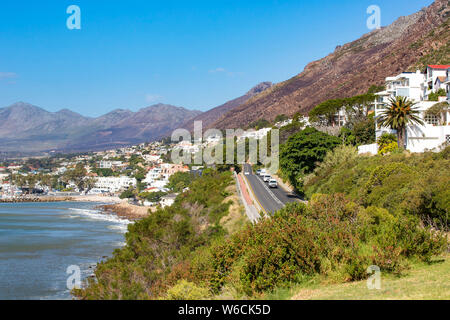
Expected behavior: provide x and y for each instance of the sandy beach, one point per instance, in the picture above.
(96, 198)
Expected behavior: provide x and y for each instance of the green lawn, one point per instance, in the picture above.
(422, 281)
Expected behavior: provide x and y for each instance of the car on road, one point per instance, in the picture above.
(262, 172)
(267, 178)
(247, 173)
(273, 183)
(258, 172)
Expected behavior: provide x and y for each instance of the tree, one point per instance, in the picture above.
(77, 175)
(127, 194)
(434, 96)
(259, 124)
(398, 115)
(89, 183)
(358, 133)
(325, 112)
(280, 117)
(300, 154)
(179, 181)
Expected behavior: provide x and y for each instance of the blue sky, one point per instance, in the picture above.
(196, 54)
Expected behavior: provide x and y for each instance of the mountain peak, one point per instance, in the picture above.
(260, 87)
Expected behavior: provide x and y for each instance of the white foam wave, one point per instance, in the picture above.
(97, 215)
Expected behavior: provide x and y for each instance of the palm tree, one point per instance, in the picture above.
(398, 115)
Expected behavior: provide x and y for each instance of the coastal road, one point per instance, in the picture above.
(270, 199)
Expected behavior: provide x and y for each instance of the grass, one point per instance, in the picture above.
(422, 282)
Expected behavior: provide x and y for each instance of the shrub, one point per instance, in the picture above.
(388, 148)
(185, 290)
(386, 143)
(413, 184)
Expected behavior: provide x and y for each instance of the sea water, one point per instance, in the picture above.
(40, 241)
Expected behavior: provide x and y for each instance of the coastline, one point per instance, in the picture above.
(76, 198)
(124, 210)
(111, 204)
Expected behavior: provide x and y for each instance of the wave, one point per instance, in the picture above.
(99, 215)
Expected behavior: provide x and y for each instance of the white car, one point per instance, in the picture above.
(273, 183)
(262, 173)
(266, 178)
(247, 173)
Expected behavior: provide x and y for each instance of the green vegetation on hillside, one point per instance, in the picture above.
(157, 246)
(410, 184)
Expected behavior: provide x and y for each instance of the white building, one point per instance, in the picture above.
(417, 86)
(406, 84)
(152, 175)
(433, 76)
(168, 200)
(109, 164)
(447, 84)
(255, 134)
(115, 184)
(151, 157)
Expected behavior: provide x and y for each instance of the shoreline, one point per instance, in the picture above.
(76, 198)
(124, 210)
(109, 204)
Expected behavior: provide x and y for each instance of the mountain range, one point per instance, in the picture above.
(408, 44)
(25, 128)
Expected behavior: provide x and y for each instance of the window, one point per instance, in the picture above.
(447, 137)
(403, 92)
(431, 119)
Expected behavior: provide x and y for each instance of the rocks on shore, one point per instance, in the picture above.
(126, 211)
(35, 199)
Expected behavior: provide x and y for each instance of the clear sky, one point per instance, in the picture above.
(196, 54)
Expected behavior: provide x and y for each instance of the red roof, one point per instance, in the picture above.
(436, 66)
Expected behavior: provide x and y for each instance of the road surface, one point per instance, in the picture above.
(270, 199)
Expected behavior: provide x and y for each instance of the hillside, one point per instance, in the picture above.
(211, 116)
(28, 129)
(410, 42)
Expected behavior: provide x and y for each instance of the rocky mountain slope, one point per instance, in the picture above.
(27, 128)
(211, 116)
(410, 42)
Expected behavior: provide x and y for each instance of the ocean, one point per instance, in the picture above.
(40, 241)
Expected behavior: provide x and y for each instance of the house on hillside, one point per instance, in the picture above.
(417, 86)
(168, 200)
(447, 84)
(433, 76)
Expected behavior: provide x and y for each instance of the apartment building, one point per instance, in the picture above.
(434, 75)
(115, 184)
(417, 87)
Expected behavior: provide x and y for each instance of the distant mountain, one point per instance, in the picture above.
(213, 115)
(26, 128)
(406, 45)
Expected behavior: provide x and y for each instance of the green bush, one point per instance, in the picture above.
(387, 143)
(185, 290)
(332, 236)
(413, 184)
